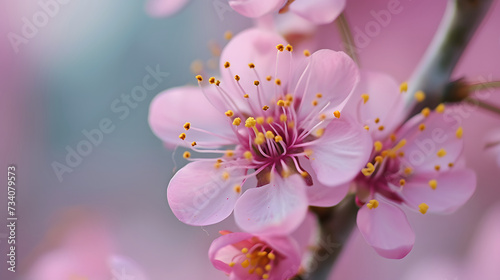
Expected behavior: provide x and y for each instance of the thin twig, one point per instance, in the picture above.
(347, 38)
(483, 105)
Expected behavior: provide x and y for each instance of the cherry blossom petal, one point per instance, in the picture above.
(318, 11)
(343, 150)
(322, 196)
(257, 46)
(221, 252)
(164, 8)
(171, 109)
(275, 208)
(198, 195)
(384, 103)
(332, 74)
(437, 145)
(256, 8)
(307, 234)
(454, 188)
(386, 229)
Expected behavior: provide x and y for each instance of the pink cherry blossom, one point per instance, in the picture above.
(164, 8)
(244, 256)
(315, 11)
(417, 165)
(282, 115)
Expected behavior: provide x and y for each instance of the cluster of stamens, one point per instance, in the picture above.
(259, 260)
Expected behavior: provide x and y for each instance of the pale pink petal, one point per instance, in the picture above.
(386, 229)
(318, 11)
(333, 74)
(220, 251)
(385, 103)
(322, 196)
(257, 46)
(198, 195)
(454, 188)
(290, 260)
(276, 208)
(340, 154)
(171, 109)
(256, 8)
(307, 234)
(164, 8)
(421, 150)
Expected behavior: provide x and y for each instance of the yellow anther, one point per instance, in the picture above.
(228, 35)
(229, 153)
(393, 137)
(269, 135)
(423, 207)
(283, 118)
(256, 83)
(268, 267)
(400, 145)
(260, 139)
(336, 114)
(319, 95)
(246, 95)
(408, 170)
(459, 133)
(441, 152)
(322, 117)
(265, 108)
(426, 112)
(377, 120)
(217, 164)
(440, 108)
(372, 204)
(259, 271)
(237, 121)
(280, 103)
(225, 175)
(304, 174)
(381, 128)
(251, 65)
(289, 48)
(260, 120)
(196, 66)
(231, 264)
(289, 97)
(437, 167)
(193, 143)
(402, 182)
(450, 165)
(308, 152)
(227, 64)
(271, 256)
(421, 127)
(365, 97)
(433, 184)
(401, 154)
(288, 103)
(280, 47)
(314, 102)
(187, 126)
(403, 87)
(379, 159)
(269, 120)
(419, 96)
(320, 132)
(217, 83)
(250, 122)
(182, 136)
(245, 263)
(236, 77)
(199, 78)
(248, 155)
(237, 189)
(366, 127)
(278, 138)
(211, 80)
(265, 276)
(251, 270)
(278, 82)
(262, 253)
(268, 78)
(378, 146)
(229, 113)
(285, 173)
(307, 53)
(368, 170)
(186, 154)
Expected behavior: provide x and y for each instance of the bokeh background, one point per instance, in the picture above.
(66, 77)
